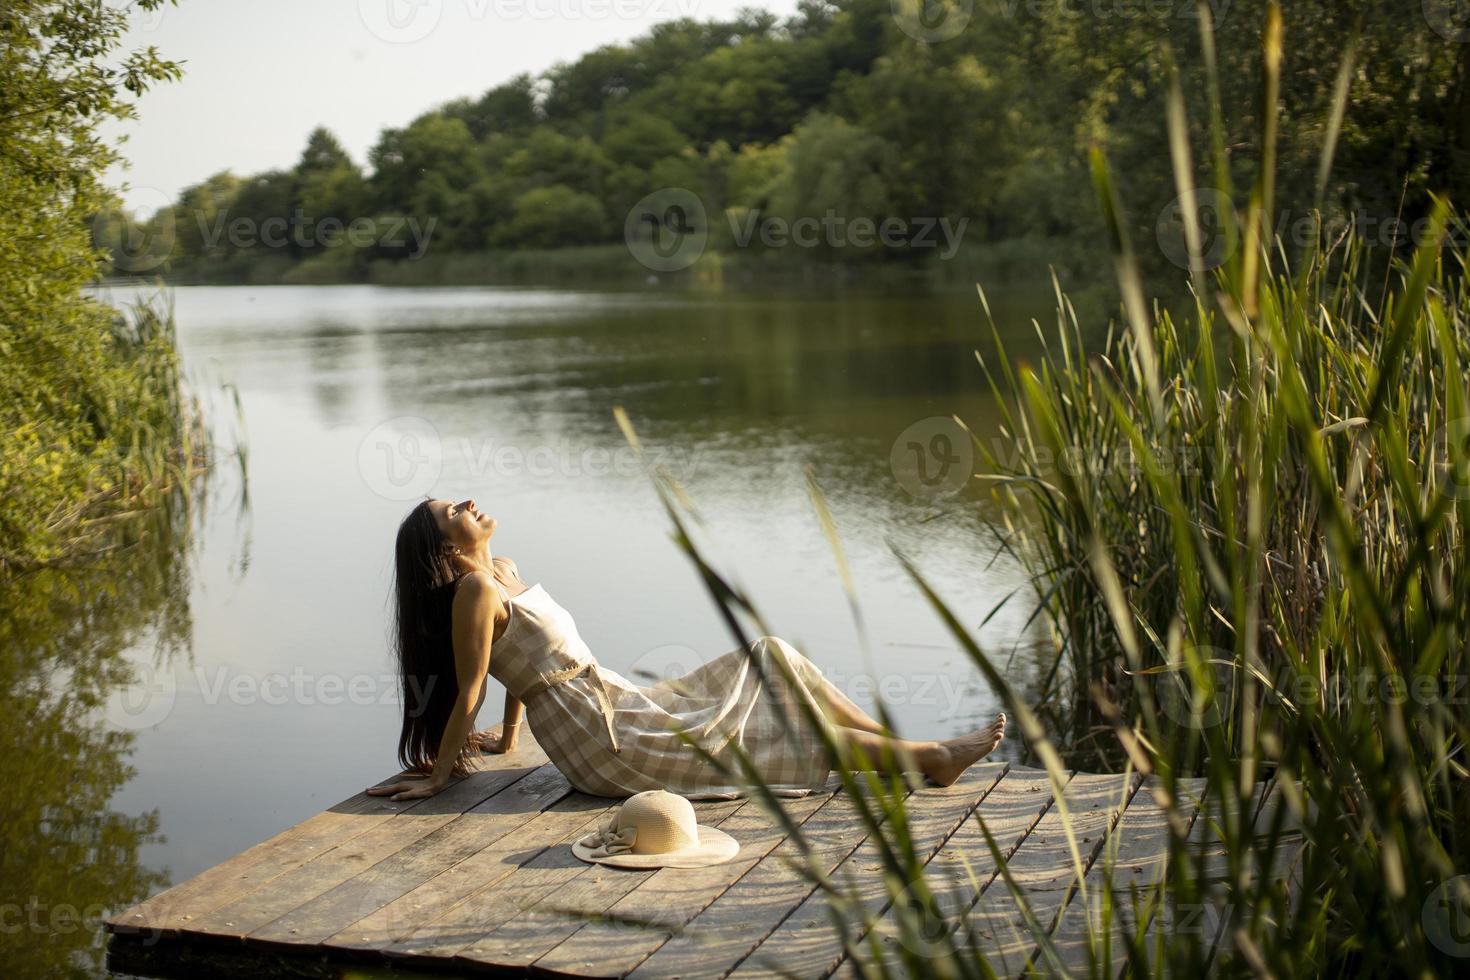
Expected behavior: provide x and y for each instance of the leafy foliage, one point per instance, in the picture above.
(850, 113)
(92, 413)
(1246, 526)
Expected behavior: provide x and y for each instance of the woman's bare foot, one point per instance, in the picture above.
(959, 754)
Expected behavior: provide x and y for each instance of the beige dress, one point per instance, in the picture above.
(611, 737)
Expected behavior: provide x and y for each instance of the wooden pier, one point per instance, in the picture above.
(480, 879)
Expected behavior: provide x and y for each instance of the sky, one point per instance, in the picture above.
(261, 74)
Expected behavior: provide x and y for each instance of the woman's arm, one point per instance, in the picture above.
(501, 738)
(476, 605)
(510, 725)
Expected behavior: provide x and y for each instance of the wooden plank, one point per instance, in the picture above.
(449, 911)
(1208, 859)
(806, 944)
(481, 878)
(1266, 799)
(325, 871)
(365, 893)
(965, 867)
(1043, 869)
(543, 925)
(671, 897)
(1134, 856)
(182, 905)
(749, 910)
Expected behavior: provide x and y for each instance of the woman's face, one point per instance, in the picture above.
(462, 523)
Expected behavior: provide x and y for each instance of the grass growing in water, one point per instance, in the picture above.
(1247, 530)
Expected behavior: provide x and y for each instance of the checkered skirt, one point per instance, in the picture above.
(742, 698)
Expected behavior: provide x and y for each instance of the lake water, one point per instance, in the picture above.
(357, 401)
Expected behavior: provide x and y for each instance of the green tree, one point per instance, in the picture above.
(834, 169)
(507, 109)
(547, 217)
(74, 415)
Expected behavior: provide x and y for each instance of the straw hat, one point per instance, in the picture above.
(656, 829)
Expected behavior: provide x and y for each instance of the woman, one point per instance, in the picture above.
(462, 613)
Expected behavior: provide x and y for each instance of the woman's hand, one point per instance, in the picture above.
(413, 788)
(494, 741)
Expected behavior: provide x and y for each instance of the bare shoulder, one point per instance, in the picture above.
(476, 591)
(508, 563)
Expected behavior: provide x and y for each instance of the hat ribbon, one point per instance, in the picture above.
(610, 840)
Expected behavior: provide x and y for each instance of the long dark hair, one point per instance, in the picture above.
(424, 579)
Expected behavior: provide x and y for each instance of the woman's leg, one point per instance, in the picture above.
(841, 709)
(836, 706)
(943, 762)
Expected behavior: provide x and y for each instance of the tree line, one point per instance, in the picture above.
(855, 111)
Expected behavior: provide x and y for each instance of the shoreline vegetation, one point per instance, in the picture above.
(856, 138)
(1245, 521)
(617, 265)
(99, 426)
(1245, 516)
(104, 456)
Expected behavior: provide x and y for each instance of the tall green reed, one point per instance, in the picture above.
(1246, 527)
(101, 427)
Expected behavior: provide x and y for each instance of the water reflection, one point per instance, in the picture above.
(515, 390)
(68, 639)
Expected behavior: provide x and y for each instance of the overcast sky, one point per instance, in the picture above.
(260, 74)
